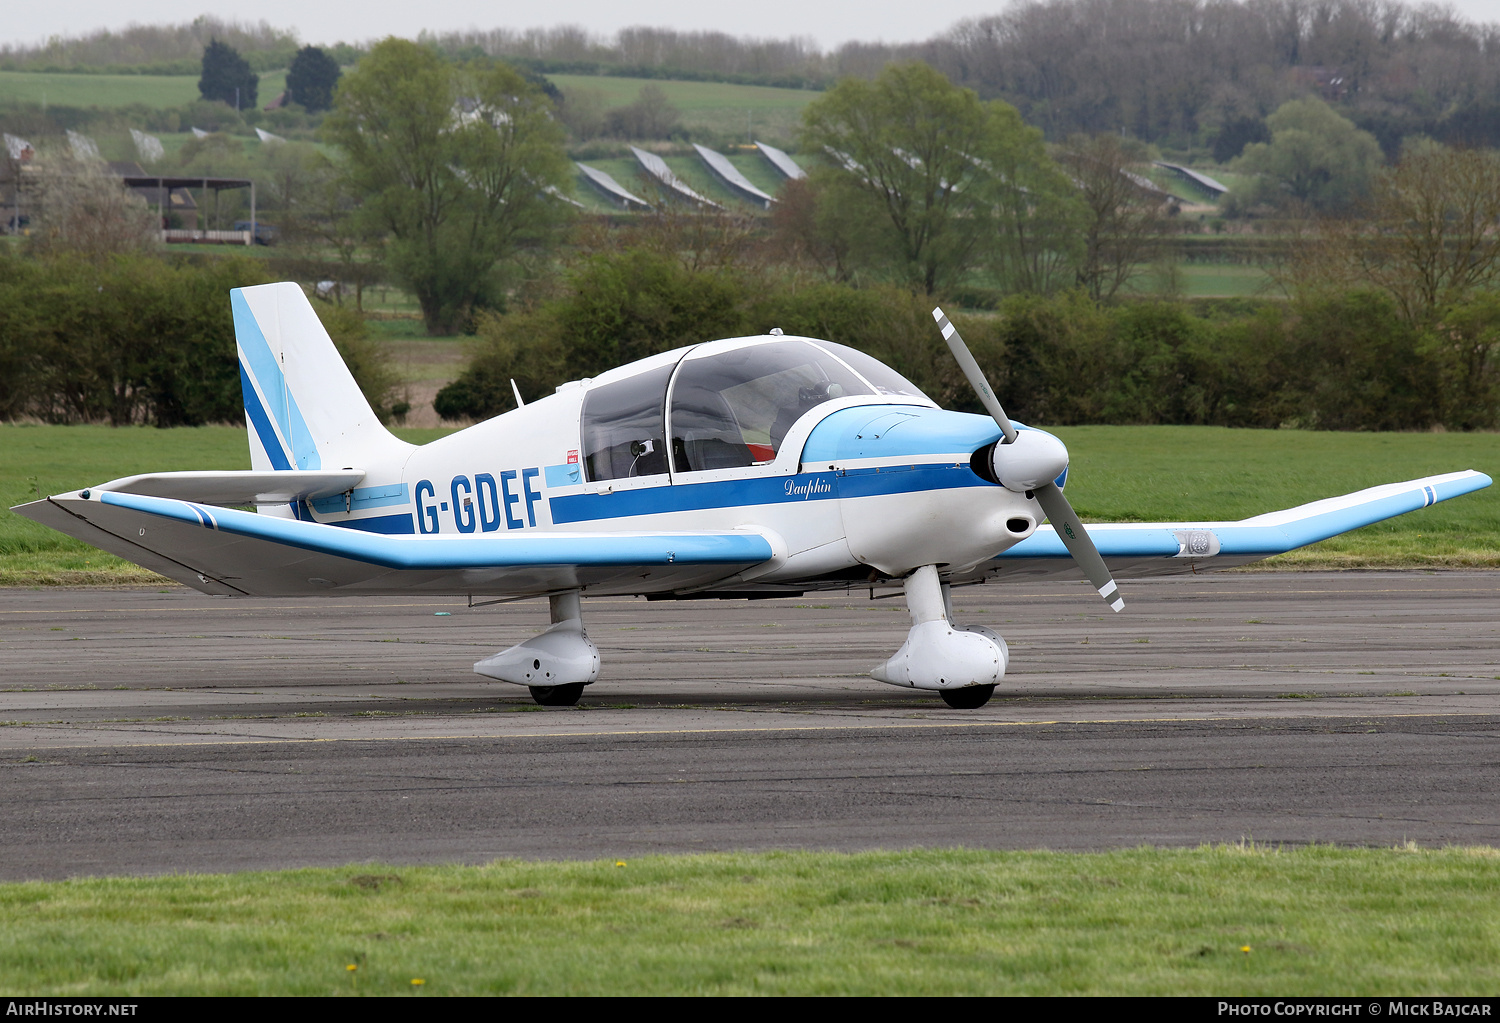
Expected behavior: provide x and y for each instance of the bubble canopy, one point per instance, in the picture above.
(727, 404)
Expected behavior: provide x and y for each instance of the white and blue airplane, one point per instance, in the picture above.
(746, 467)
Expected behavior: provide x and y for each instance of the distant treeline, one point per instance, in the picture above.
(153, 49)
(1339, 361)
(1176, 72)
(1169, 70)
(1173, 72)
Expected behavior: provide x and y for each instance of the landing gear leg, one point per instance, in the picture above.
(555, 665)
(962, 662)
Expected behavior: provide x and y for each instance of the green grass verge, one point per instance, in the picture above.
(1133, 922)
(1119, 473)
(40, 460)
(1207, 280)
(1156, 473)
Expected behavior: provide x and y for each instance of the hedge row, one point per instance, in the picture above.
(1340, 361)
(139, 339)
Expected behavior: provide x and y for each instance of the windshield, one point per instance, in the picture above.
(735, 408)
(886, 380)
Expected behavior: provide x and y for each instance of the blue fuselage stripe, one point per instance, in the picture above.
(390, 525)
(816, 486)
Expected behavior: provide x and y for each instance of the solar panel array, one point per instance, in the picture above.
(1203, 181)
(147, 147)
(658, 169)
(720, 165)
(781, 161)
(83, 147)
(611, 188)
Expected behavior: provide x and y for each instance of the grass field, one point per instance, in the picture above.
(41, 460)
(1155, 473)
(742, 111)
(84, 90)
(1119, 473)
(1231, 920)
(1211, 280)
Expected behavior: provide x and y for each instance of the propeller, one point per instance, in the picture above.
(1048, 494)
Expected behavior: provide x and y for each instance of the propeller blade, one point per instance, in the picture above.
(976, 376)
(1076, 539)
(1059, 512)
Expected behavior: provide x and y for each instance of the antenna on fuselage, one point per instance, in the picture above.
(517, 392)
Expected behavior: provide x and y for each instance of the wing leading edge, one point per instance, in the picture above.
(1162, 548)
(222, 550)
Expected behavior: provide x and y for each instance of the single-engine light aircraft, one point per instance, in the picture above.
(745, 467)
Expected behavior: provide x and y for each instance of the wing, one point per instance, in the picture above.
(1165, 548)
(221, 550)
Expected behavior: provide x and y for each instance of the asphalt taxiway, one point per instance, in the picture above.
(146, 731)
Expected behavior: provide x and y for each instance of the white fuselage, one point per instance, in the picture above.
(521, 472)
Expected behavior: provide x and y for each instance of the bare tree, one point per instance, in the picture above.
(1124, 217)
(1432, 228)
(79, 206)
(321, 219)
(1426, 235)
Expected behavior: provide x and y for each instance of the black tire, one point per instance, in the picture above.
(561, 696)
(967, 698)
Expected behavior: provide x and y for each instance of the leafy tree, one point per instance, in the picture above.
(227, 77)
(651, 116)
(1473, 124)
(1465, 351)
(1315, 158)
(1236, 134)
(582, 112)
(922, 170)
(451, 162)
(311, 79)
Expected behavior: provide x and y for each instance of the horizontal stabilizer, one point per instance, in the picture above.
(222, 550)
(1160, 548)
(235, 487)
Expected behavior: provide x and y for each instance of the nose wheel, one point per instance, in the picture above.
(961, 662)
(967, 698)
(556, 665)
(566, 695)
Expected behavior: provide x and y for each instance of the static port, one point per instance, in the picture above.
(1018, 525)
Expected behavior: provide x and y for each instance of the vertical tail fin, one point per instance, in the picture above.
(303, 409)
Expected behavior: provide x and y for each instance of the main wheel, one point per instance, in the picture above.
(567, 695)
(967, 698)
